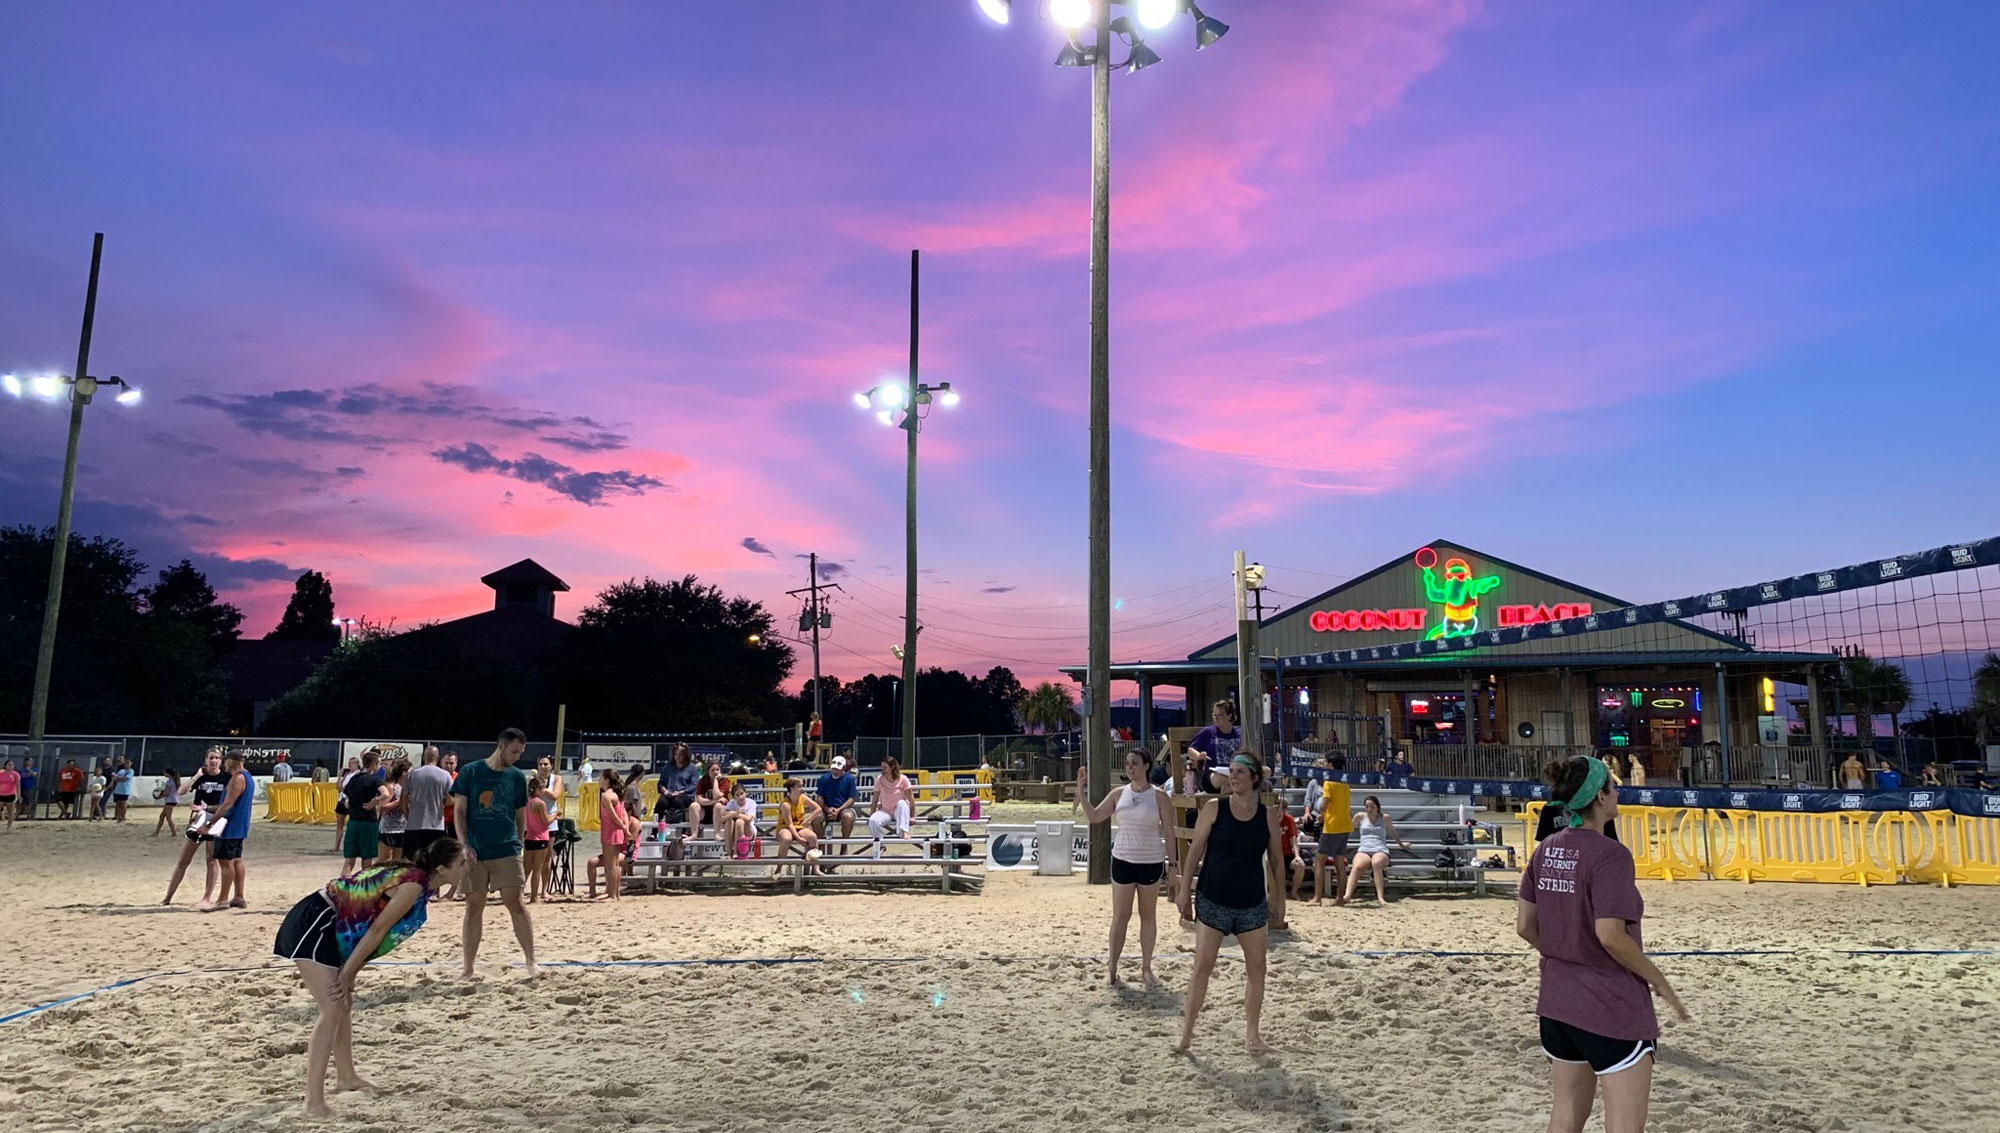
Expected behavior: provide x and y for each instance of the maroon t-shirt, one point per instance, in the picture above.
(1573, 879)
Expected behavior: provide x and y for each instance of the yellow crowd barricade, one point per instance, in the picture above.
(1975, 851)
(322, 796)
(1842, 847)
(287, 802)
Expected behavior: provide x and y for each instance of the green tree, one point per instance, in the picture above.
(309, 614)
(1049, 708)
(656, 656)
(118, 667)
(1985, 707)
(184, 593)
(1874, 688)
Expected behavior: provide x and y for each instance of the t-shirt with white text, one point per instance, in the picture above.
(1574, 879)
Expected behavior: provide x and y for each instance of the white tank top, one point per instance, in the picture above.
(1136, 836)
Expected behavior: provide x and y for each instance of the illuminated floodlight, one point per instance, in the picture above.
(883, 416)
(948, 398)
(128, 396)
(894, 396)
(48, 385)
(1156, 14)
(11, 384)
(1071, 14)
(996, 10)
(861, 399)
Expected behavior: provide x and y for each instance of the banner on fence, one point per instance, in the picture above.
(1972, 804)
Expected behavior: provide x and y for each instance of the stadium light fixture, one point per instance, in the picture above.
(1071, 14)
(996, 10)
(46, 386)
(11, 384)
(1156, 14)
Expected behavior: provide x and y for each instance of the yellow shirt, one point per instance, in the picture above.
(798, 812)
(1336, 814)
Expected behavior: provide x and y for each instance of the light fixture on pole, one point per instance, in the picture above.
(82, 387)
(904, 405)
(1092, 48)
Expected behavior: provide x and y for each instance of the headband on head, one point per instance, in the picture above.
(1245, 761)
(1593, 785)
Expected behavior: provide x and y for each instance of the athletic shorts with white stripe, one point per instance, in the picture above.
(1578, 1047)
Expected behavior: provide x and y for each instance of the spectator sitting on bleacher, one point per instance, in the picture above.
(1371, 851)
(894, 801)
(711, 794)
(797, 814)
(1217, 744)
(739, 821)
(837, 793)
(1400, 765)
(678, 789)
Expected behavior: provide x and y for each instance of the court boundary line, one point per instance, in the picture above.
(795, 961)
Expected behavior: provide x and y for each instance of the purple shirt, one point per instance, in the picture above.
(1575, 878)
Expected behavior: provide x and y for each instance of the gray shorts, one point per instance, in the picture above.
(1228, 921)
(1333, 846)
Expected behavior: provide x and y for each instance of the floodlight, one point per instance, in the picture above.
(1157, 14)
(996, 10)
(1071, 14)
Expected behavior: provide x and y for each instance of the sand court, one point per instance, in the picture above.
(918, 1011)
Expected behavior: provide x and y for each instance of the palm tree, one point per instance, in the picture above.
(1986, 698)
(1874, 688)
(1050, 708)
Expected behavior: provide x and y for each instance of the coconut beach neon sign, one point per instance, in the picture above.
(1457, 591)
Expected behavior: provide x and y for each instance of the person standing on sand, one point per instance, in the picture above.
(1235, 853)
(169, 795)
(10, 790)
(235, 818)
(363, 792)
(614, 830)
(1580, 908)
(1853, 773)
(331, 935)
(491, 813)
(1142, 821)
(69, 784)
(535, 839)
(352, 769)
(424, 791)
(208, 789)
(121, 786)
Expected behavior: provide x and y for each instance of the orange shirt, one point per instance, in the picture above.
(70, 779)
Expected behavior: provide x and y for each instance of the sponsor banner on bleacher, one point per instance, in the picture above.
(1972, 804)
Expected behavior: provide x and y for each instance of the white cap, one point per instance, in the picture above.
(839, 763)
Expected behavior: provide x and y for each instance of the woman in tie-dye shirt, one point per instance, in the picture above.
(333, 933)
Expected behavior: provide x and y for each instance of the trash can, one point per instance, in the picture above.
(1052, 848)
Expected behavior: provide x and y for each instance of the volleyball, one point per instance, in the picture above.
(812, 855)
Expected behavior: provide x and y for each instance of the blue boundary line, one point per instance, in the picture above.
(787, 961)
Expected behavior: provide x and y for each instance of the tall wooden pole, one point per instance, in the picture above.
(79, 396)
(1098, 675)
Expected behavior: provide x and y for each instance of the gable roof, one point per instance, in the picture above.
(526, 571)
(1402, 562)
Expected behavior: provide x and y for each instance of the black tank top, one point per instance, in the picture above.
(1232, 871)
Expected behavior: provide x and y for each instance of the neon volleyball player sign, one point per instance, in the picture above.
(1457, 591)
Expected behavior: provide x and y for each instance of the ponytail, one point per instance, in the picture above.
(437, 855)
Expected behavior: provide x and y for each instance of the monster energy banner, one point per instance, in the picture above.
(1938, 560)
(1972, 804)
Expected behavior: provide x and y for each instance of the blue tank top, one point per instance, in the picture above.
(238, 816)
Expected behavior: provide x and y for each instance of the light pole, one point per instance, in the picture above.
(82, 387)
(1073, 16)
(913, 401)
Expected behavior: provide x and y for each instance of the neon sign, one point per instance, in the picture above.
(1458, 592)
(1336, 621)
(1454, 588)
(1532, 615)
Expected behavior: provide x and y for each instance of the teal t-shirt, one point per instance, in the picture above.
(491, 800)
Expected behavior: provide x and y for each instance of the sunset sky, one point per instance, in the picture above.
(1654, 297)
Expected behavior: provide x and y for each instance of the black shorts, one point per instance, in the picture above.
(1565, 1043)
(68, 797)
(228, 849)
(532, 844)
(307, 933)
(1134, 873)
(414, 840)
(392, 840)
(8, 800)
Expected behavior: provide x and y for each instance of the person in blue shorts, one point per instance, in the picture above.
(235, 811)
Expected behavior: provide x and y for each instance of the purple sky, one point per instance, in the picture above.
(1656, 297)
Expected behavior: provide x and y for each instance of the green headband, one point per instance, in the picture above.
(1245, 761)
(1593, 785)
